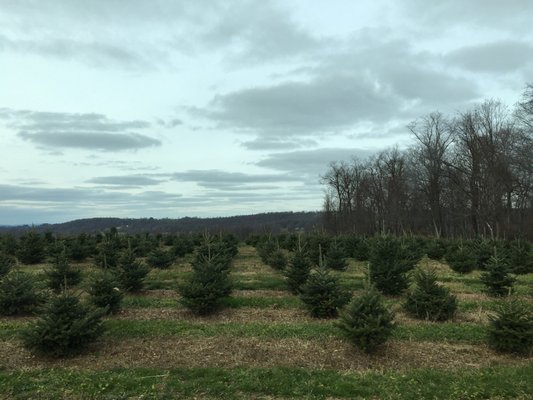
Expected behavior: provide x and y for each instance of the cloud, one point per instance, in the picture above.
(277, 144)
(83, 131)
(218, 179)
(125, 180)
(496, 57)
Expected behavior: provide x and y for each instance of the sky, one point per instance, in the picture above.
(169, 108)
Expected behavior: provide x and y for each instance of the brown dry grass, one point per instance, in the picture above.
(227, 352)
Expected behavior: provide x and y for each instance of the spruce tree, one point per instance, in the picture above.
(366, 321)
(389, 264)
(511, 328)
(66, 327)
(335, 258)
(160, 258)
(461, 259)
(277, 259)
(19, 294)
(436, 249)
(31, 248)
(322, 294)
(298, 270)
(131, 271)
(105, 292)
(429, 300)
(7, 262)
(62, 273)
(496, 278)
(208, 286)
(520, 257)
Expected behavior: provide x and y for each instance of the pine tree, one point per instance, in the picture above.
(496, 278)
(436, 249)
(335, 258)
(7, 262)
(31, 248)
(204, 292)
(366, 322)
(429, 300)
(461, 259)
(322, 294)
(131, 272)
(62, 274)
(105, 293)
(520, 257)
(511, 328)
(277, 259)
(18, 294)
(297, 271)
(160, 258)
(389, 264)
(66, 327)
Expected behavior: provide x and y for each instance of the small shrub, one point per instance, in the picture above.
(18, 294)
(105, 292)
(462, 259)
(436, 249)
(520, 257)
(62, 275)
(277, 259)
(322, 294)
(66, 327)
(429, 300)
(131, 272)
(297, 271)
(31, 248)
(335, 258)
(496, 278)
(511, 328)
(366, 322)
(160, 258)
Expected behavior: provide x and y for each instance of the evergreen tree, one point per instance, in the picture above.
(66, 327)
(277, 259)
(462, 259)
(362, 249)
(182, 246)
(335, 258)
(31, 248)
(265, 248)
(160, 258)
(297, 271)
(322, 294)
(436, 249)
(366, 322)
(108, 252)
(497, 278)
(105, 293)
(18, 294)
(7, 262)
(62, 274)
(520, 257)
(511, 328)
(483, 250)
(131, 272)
(203, 293)
(429, 300)
(389, 264)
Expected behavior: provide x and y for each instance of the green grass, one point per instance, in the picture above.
(501, 382)
(232, 302)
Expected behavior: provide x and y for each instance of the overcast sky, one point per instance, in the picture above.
(131, 108)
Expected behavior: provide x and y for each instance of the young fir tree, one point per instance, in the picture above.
(105, 293)
(31, 248)
(265, 248)
(66, 327)
(389, 264)
(322, 294)
(208, 286)
(298, 270)
(131, 272)
(7, 262)
(62, 273)
(335, 258)
(366, 321)
(160, 258)
(496, 278)
(461, 259)
(428, 300)
(483, 250)
(511, 328)
(18, 294)
(277, 259)
(436, 249)
(520, 257)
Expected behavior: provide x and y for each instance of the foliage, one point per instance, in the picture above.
(277, 259)
(521, 257)
(366, 322)
(182, 245)
(7, 262)
(322, 294)
(389, 263)
(66, 327)
(298, 270)
(511, 328)
(62, 275)
(436, 249)
(105, 293)
(335, 258)
(461, 259)
(160, 258)
(31, 248)
(496, 278)
(18, 294)
(131, 272)
(429, 300)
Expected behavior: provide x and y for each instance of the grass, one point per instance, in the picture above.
(232, 302)
(504, 382)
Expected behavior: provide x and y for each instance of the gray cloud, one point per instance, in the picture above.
(125, 180)
(277, 144)
(496, 57)
(84, 131)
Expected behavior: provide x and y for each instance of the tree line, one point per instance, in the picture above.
(466, 174)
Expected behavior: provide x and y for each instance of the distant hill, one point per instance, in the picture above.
(241, 225)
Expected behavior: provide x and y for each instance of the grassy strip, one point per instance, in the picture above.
(450, 332)
(232, 302)
(514, 382)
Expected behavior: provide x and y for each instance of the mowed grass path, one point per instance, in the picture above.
(264, 345)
